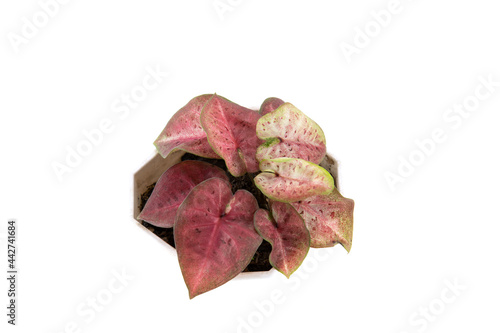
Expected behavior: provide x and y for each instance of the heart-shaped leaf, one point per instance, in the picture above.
(329, 219)
(231, 132)
(184, 131)
(173, 187)
(287, 233)
(290, 179)
(214, 235)
(290, 133)
(269, 105)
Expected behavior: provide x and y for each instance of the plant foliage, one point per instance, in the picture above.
(217, 232)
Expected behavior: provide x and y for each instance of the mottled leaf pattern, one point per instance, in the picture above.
(217, 233)
(329, 219)
(184, 131)
(173, 187)
(214, 235)
(289, 179)
(290, 133)
(287, 233)
(269, 105)
(231, 132)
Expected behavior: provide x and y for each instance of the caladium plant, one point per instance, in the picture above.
(216, 231)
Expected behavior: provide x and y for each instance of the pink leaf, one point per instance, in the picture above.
(289, 179)
(287, 233)
(214, 235)
(173, 187)
(184, 131)
(329, 219)
(269, 105)
(231, 132)
(290, 133)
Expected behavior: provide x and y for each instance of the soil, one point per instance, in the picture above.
(260, 261)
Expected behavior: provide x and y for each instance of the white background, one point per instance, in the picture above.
(441, 224)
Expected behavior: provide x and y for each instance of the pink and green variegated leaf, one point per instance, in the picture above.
(173, 187)
(231, 132)
(291, 179)
(269, 105)
(214, 235)
(290, 133)
(184, 131)
(329, 219)
(287, 233)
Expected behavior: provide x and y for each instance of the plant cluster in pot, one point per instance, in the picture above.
(247, 180)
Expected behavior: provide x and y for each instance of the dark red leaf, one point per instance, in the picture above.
(287, 233)
(184, 131)
(214, 235)
(231, 132)
(269, 105)
(173, 187)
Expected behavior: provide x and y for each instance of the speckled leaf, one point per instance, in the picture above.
(184, 131)
(269, 105)
(173, 187)
(290, 133)
(287, 233)
(214, 235)
(290, 179)
(329, 219)
(231, 132)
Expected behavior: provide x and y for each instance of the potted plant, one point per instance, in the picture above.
(238, 180)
